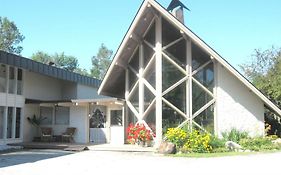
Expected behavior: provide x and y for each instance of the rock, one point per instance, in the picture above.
(232, 146)
(277, 141)
(167, 148)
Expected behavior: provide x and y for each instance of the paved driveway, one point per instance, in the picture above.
(98, 162)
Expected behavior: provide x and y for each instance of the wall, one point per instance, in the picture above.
(36, 86)
(236, 106)
(79, 119)
(69, 90)
(88, 92)
(29, 131)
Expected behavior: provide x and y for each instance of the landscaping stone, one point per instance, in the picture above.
(167, 148)
(233, 146)
(277, 141)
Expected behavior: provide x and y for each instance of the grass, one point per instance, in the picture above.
(222, 154)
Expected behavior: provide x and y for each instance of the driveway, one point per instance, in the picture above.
(100, 162)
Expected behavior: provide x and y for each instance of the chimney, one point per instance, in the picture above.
(176, 8)
(178, 13)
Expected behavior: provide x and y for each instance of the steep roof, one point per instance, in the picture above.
(116, 72)
(44, 69)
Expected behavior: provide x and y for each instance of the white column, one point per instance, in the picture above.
(141, 85)
(189, 82)
(158, 71)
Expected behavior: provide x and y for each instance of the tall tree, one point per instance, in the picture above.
(61, 60)
(10, 36)
(101, 62)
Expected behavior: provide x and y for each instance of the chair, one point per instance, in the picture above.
(68, 135)
(46, 134)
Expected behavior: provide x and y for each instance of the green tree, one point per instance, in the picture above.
(10, 36)
(264, 71)
(61, 60)
(101, 62)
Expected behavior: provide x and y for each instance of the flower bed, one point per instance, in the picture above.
(139, 134)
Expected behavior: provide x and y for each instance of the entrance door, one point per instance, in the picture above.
(98, 130)
(116, 127)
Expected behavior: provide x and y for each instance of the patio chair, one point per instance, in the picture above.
(68, 135)
(46, 134)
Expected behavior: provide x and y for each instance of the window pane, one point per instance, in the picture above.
(3, 80)
(169, 32)
(98, 119)
(10, 122)
(148, 53)
(2, 111)
(62, 115)
(150, 74)
(178, 53)
(116, 117)
(178, 97)
(132, 119)
(18, 122)
(134, 62)
(199, 97)
(171, 118)
(19, 82)
(150, 36)
(11, 80)
(206, 76)
(134, 99)
(132, 79)
(46, 113)
(170, 74)
(206, 119)
(148, 97)
(150, 120)
(199, 57)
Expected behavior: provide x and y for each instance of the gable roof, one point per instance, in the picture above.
(119, 58)
(44, 69)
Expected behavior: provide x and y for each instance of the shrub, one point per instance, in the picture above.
(215, 142)
(176, 136)
(258, 144)
(235, 135)
(197, 142)
(138, 133)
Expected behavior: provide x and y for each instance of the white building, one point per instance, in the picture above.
(169, 77)
(65, 99)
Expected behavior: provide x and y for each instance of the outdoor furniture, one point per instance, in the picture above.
(46, 134)
(68, 135)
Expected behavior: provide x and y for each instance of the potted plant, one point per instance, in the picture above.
(139, 134)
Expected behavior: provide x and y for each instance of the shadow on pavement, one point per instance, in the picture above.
(28, 156)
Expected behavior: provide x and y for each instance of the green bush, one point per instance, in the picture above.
(259, 144)
(176, 136)
(215, 142)
(235, 135)
(197, 142)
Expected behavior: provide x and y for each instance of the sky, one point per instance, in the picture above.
(78, 28)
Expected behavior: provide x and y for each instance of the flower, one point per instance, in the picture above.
(138, 133)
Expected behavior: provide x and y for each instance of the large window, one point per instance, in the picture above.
(12, 80)
(3, 77)
(61, 115)
(19, 82)
(2, 112)
(46, 114)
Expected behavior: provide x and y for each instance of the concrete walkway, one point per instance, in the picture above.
(135, 163)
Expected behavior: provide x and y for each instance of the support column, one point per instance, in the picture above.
(189, 82)
(14, 123)
(141, 84)
(126, 117)
(158, 71)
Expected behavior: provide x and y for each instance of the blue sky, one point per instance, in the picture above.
(233, 28)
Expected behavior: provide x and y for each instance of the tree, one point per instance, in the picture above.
(264, 71)
(61, 60)
(101, 62)
(10, 37)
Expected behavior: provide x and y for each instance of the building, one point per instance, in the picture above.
(169, 77)
(65, 99)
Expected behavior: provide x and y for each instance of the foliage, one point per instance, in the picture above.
(259, 144)
(217, 143)
(197, 142)
(235, 135)
(10, 36)
(101, 62)
(138, 133)
(61, 60)
(176, 136)
(36, 121)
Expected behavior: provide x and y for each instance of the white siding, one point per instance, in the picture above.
(69, 90)
(237, 106)
(41, 87)
(79, 120)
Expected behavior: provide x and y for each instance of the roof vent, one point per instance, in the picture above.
(176, 8)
